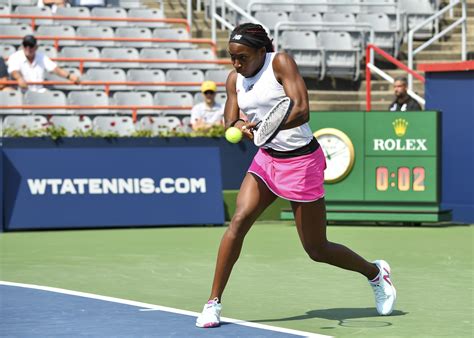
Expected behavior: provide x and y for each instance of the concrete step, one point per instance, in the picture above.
(437, 55)
(385, 86)
(442, 46)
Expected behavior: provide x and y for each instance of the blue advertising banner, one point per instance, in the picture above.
(111, 187)
(1, 185)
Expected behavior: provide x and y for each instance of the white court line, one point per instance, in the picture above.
(150, 307)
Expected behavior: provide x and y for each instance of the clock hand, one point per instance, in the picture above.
(326, 154)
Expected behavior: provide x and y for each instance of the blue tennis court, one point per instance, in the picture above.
(36, 311)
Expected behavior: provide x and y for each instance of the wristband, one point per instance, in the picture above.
(233, 123)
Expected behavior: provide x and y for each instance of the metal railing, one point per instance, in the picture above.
(57, 39)
(461, 21)
(108, 84)
(370, 66)
(221, 18)
(33, 19)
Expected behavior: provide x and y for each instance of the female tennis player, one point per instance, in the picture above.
(291, 166)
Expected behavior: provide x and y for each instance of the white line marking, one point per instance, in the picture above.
(153, 307)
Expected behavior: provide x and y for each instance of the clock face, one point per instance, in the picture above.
(339, 152)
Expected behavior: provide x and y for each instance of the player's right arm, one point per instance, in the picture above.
(232, 110)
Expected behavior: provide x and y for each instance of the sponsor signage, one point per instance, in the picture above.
(104, 187)
(402, 133)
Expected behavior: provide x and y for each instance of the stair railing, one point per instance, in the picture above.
(370, 66)
(461, 21)
(224, 4)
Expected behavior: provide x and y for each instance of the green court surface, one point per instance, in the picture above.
(273, 283)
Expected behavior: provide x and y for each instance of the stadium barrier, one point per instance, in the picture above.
(119, 182)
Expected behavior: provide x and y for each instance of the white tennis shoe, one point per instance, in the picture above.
(385, 293)
(211, 314)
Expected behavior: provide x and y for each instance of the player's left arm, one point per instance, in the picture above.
(286, 73)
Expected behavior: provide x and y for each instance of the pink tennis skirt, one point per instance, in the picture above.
(298, 179)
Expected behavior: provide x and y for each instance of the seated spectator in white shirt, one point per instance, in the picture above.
(89, 3)
(28, 65)
(53, 4)
(208, 113)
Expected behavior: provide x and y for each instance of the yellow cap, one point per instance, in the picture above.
(208, 85)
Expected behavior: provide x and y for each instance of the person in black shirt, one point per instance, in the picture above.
(4, 75)
(403, 101)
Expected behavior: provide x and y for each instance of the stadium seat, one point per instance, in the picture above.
(134, 32)
(11, 98)
(14, 30)
(120, 53)
(204, 54)
(416, 13)
(5, 10)
(220, 98)
(172, 33)
(186, 124)
(112, 12)
(130, 3)
(49, 51)
(217, 75)
(320, 6)
(379, 6)
(81, 52)
(111, 74)
(147, 75)
(58, 31)
(270, 6)
(25, 123)
(159, 124)
(185, 75)
(47, 98)
(304, 47)
(54, 77)
(139, 98)
(6, 50)
(159, 53)
(20, 2)
(314, 17)
(121, 125)
(271, 18)
(96, 32)
(88, 98)
(72, 124)
(339, 17)
(343, 6)
(385, 36)
(33, 10)
(80, 12)
(341, 59)
(174, 99)
(146, 13)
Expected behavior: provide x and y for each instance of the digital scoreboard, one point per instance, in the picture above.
(381, 166)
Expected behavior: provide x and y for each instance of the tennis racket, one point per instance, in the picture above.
(269, 126)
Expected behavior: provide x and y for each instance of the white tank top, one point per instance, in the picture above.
(258, 94)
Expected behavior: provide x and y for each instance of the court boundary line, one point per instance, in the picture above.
(160, 308)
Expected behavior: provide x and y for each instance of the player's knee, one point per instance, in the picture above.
(318, 254)
(238, 225)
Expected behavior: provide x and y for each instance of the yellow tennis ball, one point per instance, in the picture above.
(233, 135)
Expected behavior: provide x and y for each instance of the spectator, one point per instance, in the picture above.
(53, 4)
(89, 3)
(4, 75)
(26, 65)
(403, 101)
(208, 113)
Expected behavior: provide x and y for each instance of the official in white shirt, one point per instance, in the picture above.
(208, 113)
(28, 65)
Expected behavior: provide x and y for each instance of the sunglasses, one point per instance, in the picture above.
(209, 92)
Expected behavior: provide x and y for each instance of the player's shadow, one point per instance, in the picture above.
(344, 316)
